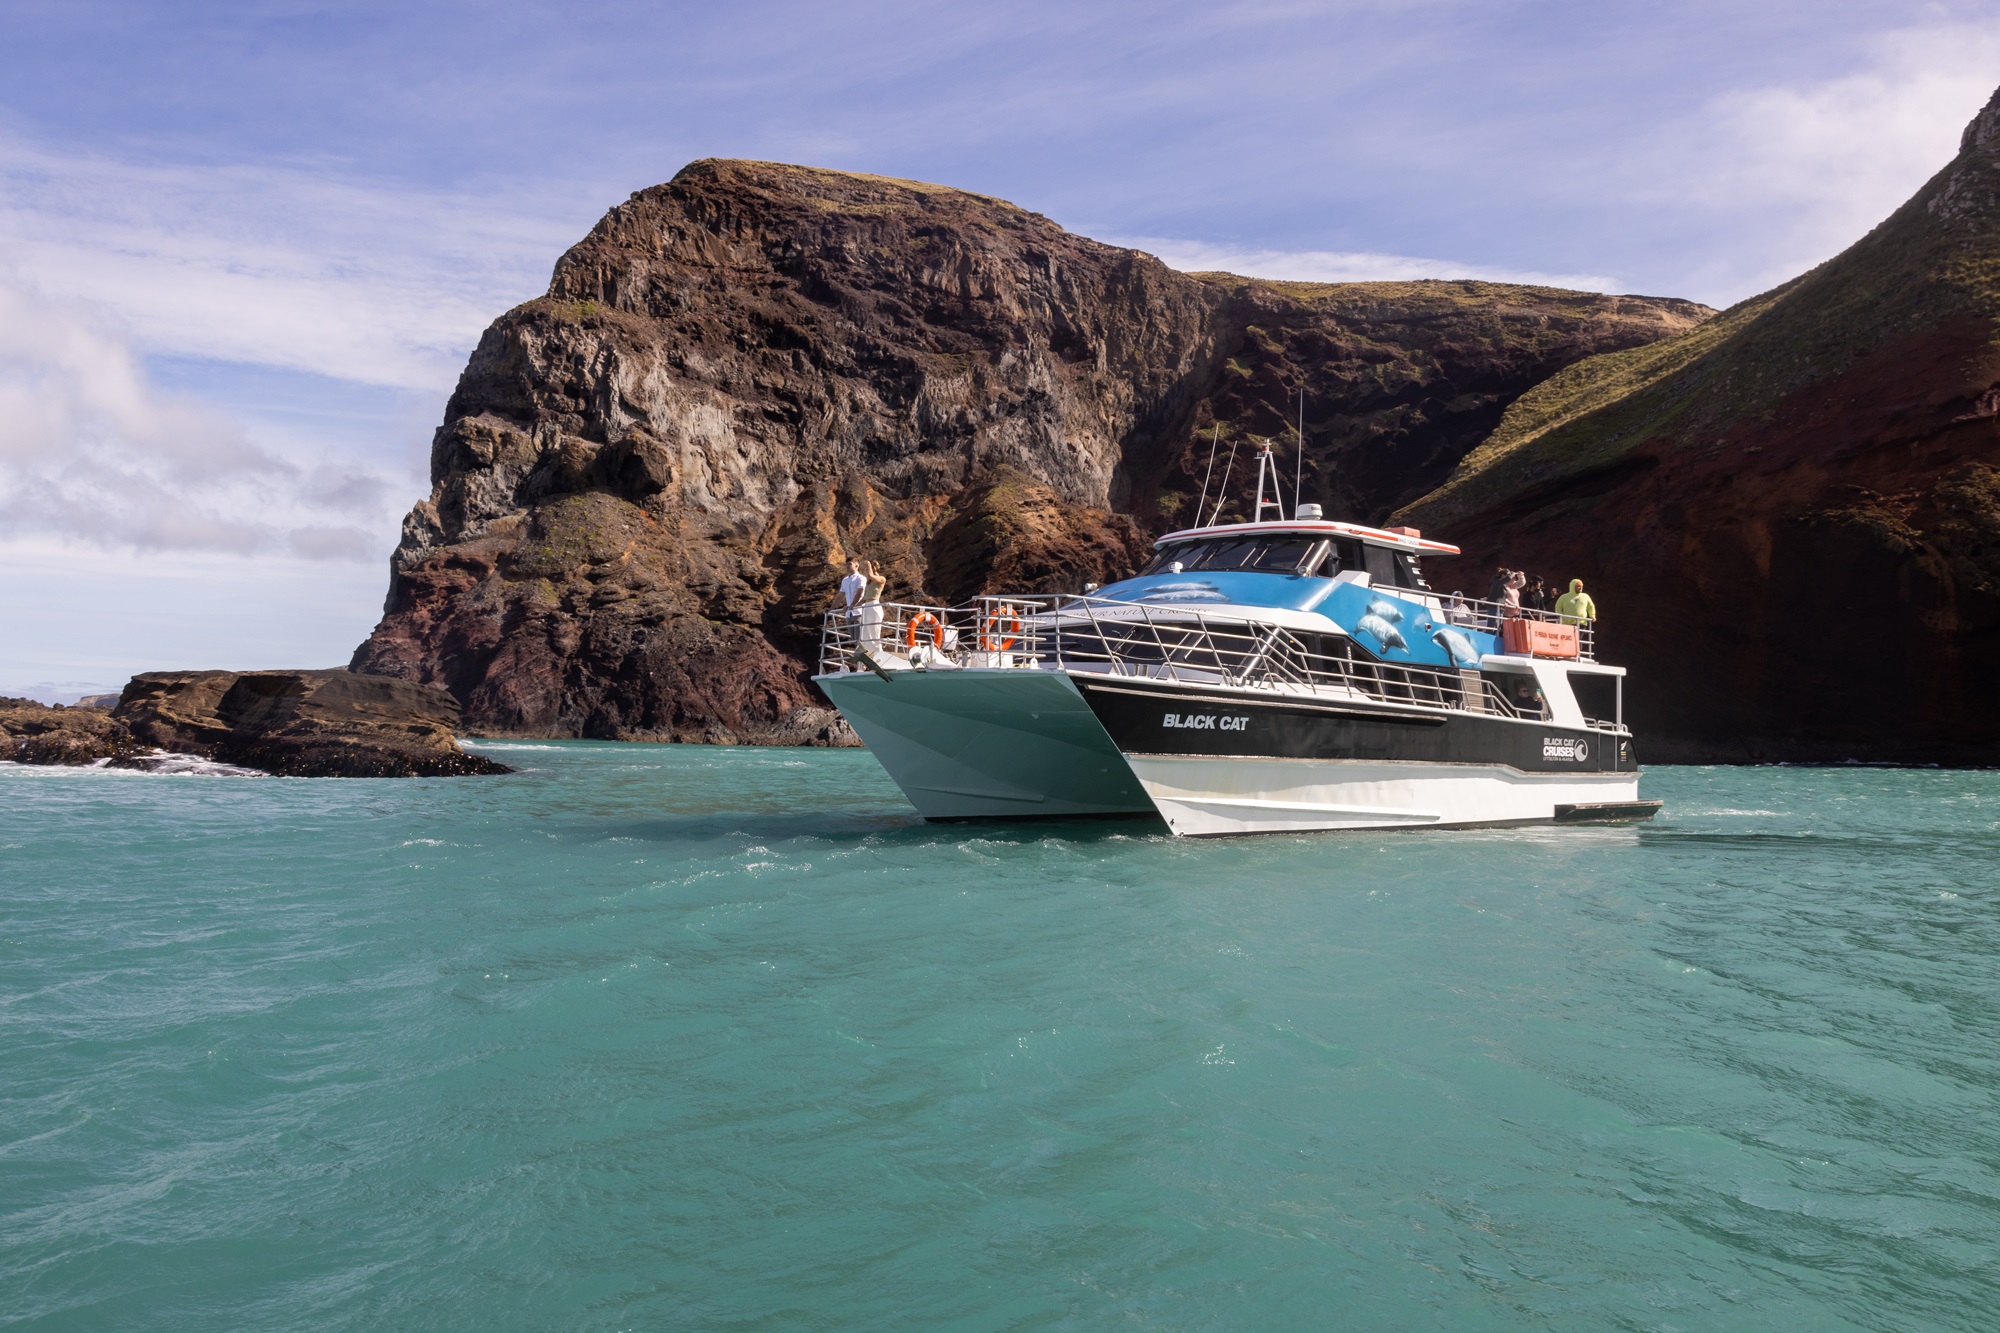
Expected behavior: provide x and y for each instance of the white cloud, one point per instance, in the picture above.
(1809, 168)
(92, 452)
(104, 263)
(1341, 266)
(278, 266)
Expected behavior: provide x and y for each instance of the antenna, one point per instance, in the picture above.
(1202, 503)
(1222, 492)
(1299, 463)
(1266, 463)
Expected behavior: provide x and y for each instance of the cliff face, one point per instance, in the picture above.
(648, 481)
(1790, 516)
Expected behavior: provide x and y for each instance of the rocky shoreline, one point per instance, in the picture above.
(332, 723)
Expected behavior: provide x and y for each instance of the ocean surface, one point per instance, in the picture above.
(681, 1038)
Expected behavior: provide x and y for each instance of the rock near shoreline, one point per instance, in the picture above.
(287, 723)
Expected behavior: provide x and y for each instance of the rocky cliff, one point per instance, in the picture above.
(648, 480)
(1790, 516)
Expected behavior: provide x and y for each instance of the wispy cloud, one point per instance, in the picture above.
(107, 263)
(93, 452)
(368, 281)
(1809, 167)
(1339, 266)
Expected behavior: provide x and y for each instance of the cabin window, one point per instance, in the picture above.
(1345, 556)
(1392, 569)
(1269, 555)
(1596, 695)
(1522, 691)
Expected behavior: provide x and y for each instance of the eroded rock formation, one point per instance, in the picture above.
(290, 723)
(648, 481)
(308, 724)
(38, 733)
(1790, 516)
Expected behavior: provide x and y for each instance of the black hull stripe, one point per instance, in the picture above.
(1178, 721)
(1188, 694)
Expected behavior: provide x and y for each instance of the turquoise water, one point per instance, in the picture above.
(661, 1037)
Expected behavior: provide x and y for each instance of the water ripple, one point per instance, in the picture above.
(664, 1036)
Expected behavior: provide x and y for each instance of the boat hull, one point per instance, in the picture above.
(1218, 762)
(1206, 795)
(1001, 743)
(986, 744)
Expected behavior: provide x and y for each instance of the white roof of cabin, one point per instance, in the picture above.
(1317, 528)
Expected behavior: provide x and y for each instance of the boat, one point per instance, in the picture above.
(1275, 675)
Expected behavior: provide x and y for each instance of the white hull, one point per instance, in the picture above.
(1204, 796)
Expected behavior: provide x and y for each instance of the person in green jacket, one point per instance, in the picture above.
(1575, 606)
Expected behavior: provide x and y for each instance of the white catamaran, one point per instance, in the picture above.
(1254, 677)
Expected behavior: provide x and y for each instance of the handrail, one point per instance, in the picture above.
(1181, 643)
(1489, 616)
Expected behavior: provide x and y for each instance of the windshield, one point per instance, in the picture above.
(1270, 555)
(1290, 555)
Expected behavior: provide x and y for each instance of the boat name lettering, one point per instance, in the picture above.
(1565, 747)
(1204, 722)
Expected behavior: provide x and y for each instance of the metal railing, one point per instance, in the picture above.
(1165, 642)
(1490, 616)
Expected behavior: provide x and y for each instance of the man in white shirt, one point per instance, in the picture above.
(851, 586)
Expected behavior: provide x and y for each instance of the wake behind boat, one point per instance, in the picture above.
(1254, 677)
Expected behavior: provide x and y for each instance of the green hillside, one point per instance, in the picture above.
(1933, 266)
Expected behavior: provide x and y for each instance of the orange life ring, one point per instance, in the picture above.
(924, 618)
(993, 635)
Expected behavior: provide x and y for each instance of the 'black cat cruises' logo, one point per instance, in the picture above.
(1566, 747)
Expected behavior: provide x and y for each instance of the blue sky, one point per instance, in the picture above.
(244, 248)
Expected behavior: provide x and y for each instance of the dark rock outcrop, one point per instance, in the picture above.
(647, 482)
(290, 723)
(37, 733)
(312, 724)
(1790, 516)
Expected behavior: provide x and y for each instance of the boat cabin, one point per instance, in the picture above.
(1314, 549)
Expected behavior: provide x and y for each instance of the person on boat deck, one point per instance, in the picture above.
(872, 584)
(1528, 699)
(1496, 593)
(1510, 595)
(851, 586)
(1458, 611)
(1535, 597)
(1575, 606)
